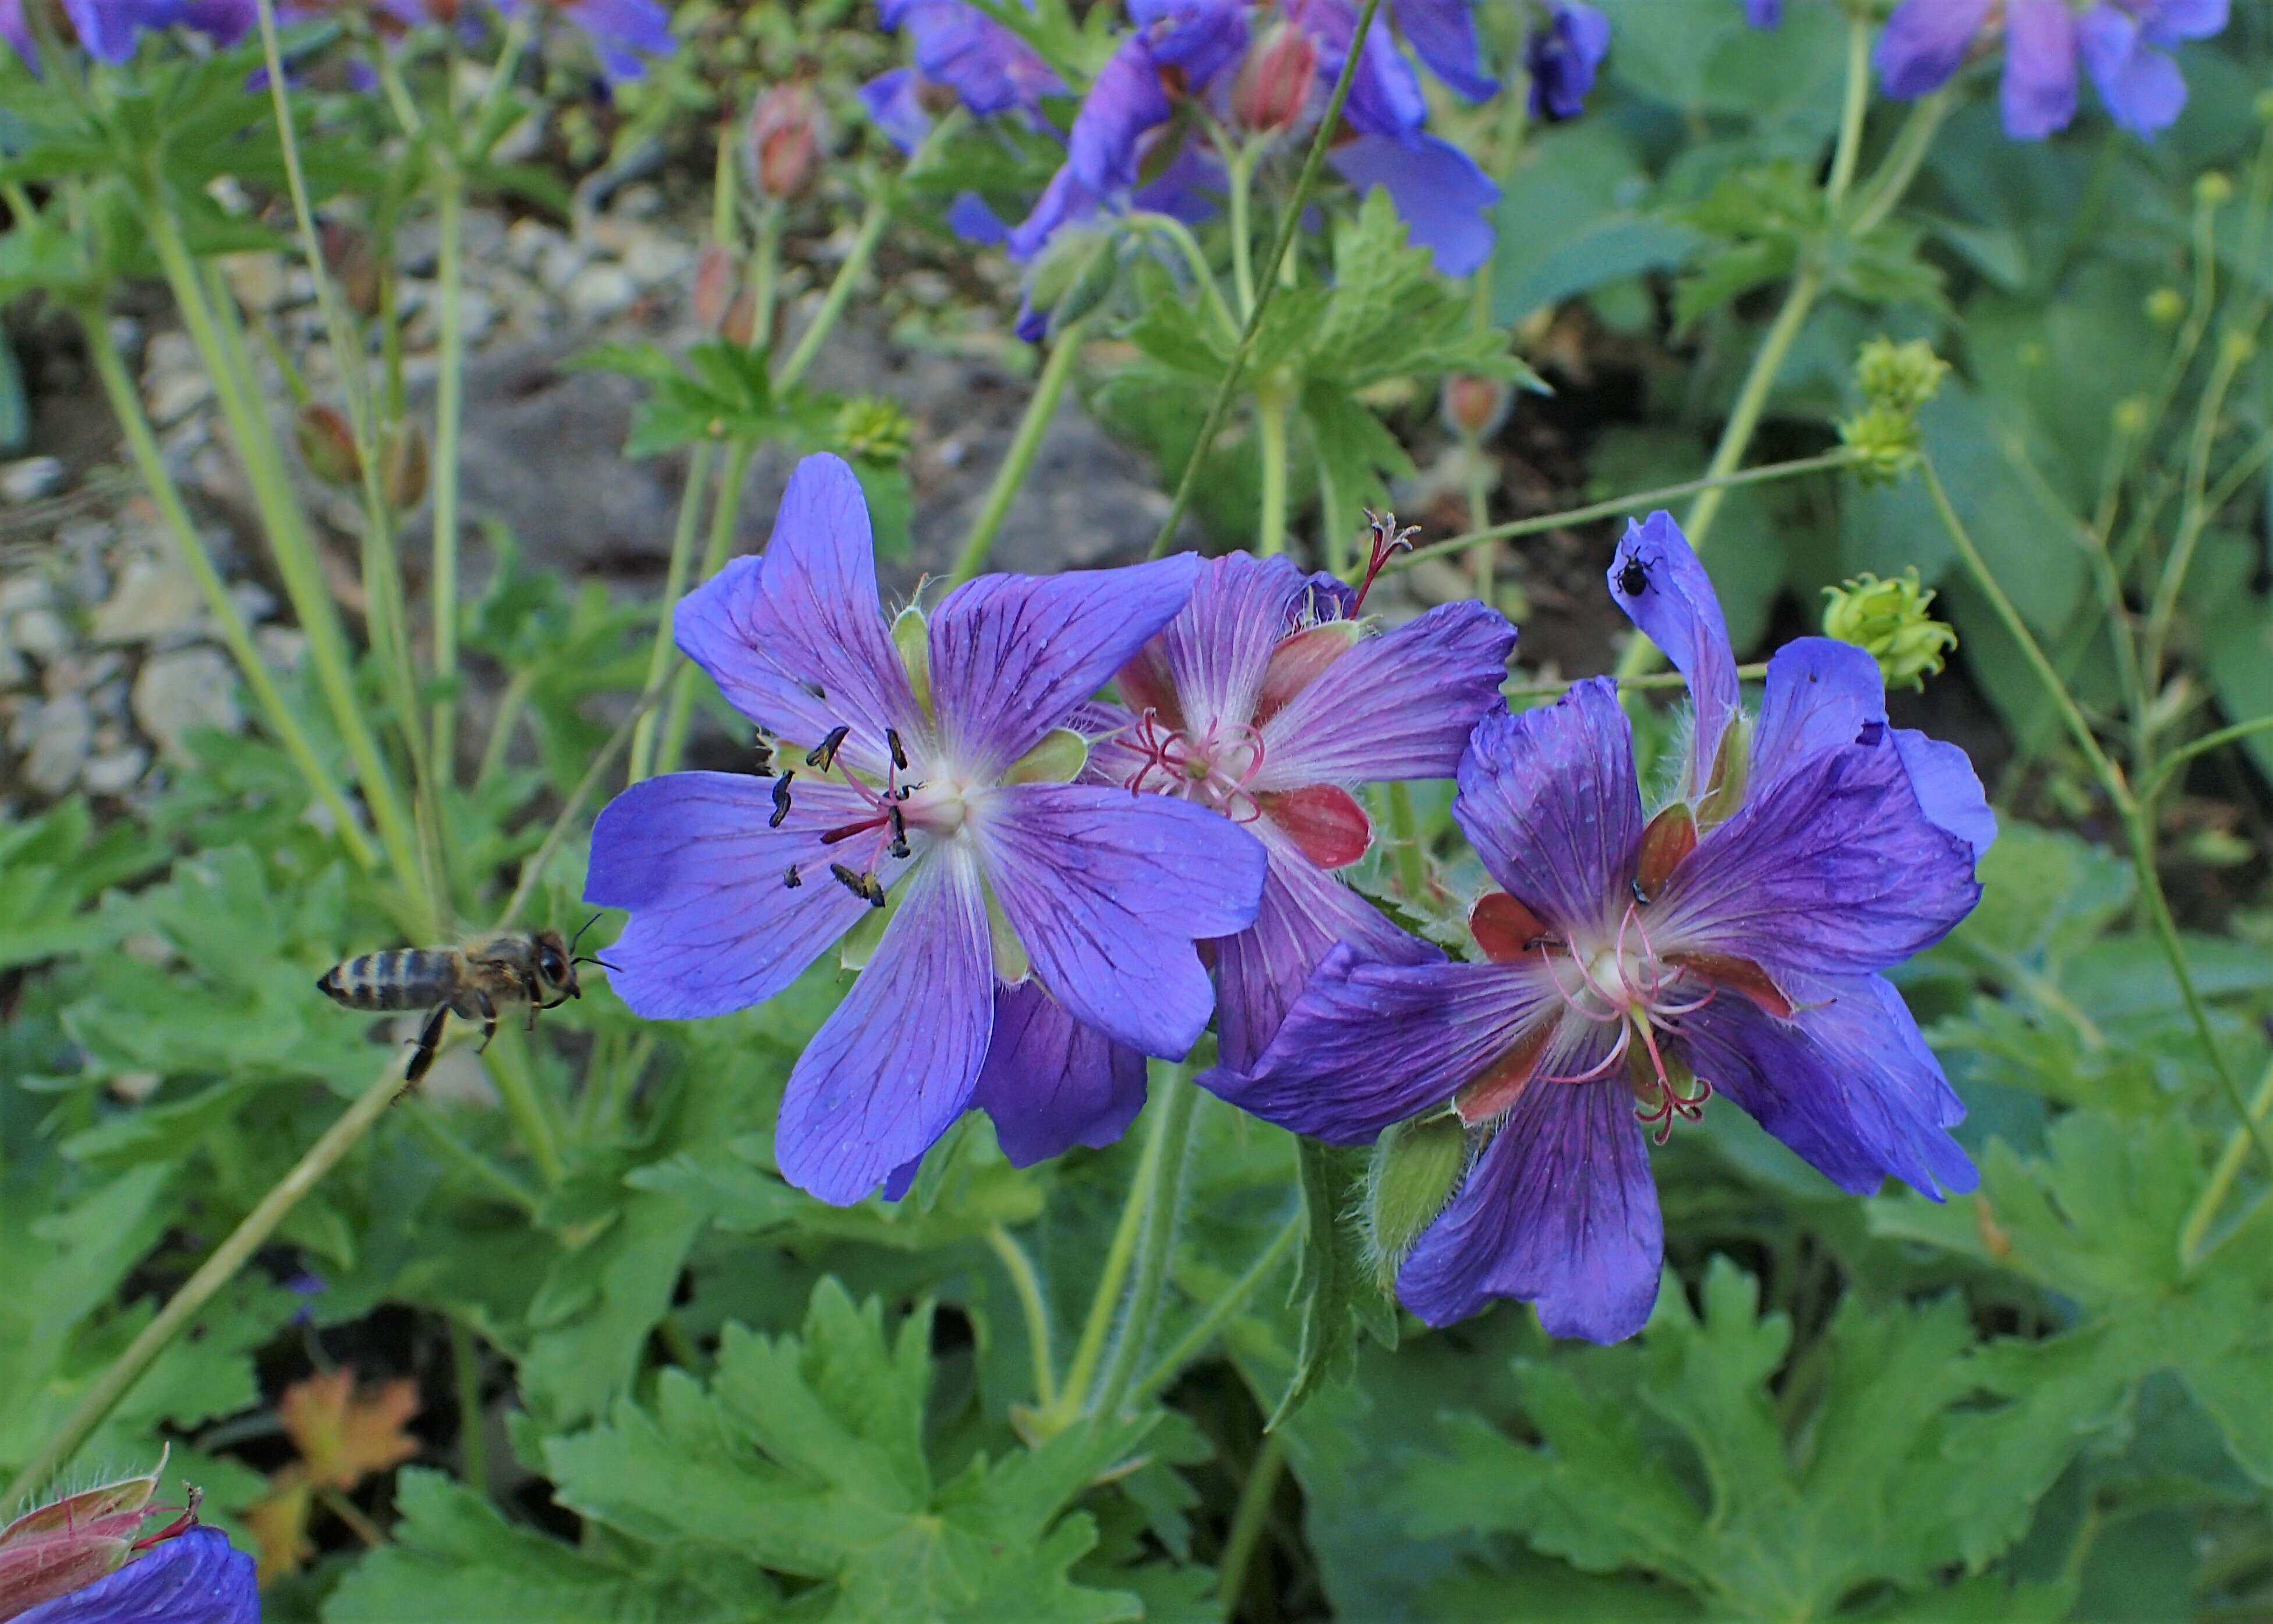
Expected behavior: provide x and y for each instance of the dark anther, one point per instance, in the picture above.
(899, 832)
(824, 755)
(764, 746)
(899, 754)
(813, 688)
(1634, 578)
(781, 800)
(790, 879)
(1640, 895)
(866, 886)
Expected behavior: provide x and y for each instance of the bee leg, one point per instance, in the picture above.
(429, 1042)
(488, 1018)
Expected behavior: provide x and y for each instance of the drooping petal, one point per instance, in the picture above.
(2038, 90)
(1400, 705)
(1011, 655)
(1847, 1083)
(198, 1578)
(1833, 870)
(1558, 1211)
(715, 925)
(990, 68)
(970, 218)
(1442, 34)
(1442, 195)
(893, 1067)
(796, 638)
(1050, 1082)
(1107, 891)
(899, 111)
(1123, 104)
(1305, 913)
(1549, 800)
(1385, 95)
(1198, 38)
(1676, 609)
(1371, 1044)
(1949, 789)
(2143, 87)
(1925, 43)
(1563, 57)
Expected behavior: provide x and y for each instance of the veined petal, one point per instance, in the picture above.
(893, 1067)
(1306, 911)
(1949, 789)
(796, 638)
(1108, 891)
(1215, 653)
(715, 926)
(1442, 34)
(1400, 705)
(1847, 1083)
(1443, 195)
(2038, 90)
(1369, 1043)
(1558, 1211)
(1012, 655)
(1925, 43)
(1549, 800)
(198, 1578)
(1677, 609)
(1835, 869)
(1050, 1082)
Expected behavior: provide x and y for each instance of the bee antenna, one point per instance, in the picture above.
(581, 929)
(604, 965)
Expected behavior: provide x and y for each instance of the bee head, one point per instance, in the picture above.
(553, 964)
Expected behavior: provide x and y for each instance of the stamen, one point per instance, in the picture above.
(1387, 541)
(790, 879)
(864, 886)
(781, 799)
(1671, 1103)
(900, 847)
(1618, 1053)
(824, 755)
(899, 754)
(764, 746)
(181, 1524)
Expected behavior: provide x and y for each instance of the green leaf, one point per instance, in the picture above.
(1335, 1289)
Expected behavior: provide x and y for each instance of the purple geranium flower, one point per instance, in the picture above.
(2124, 43)
(1270, 700)
(963, 50)
(108, 29)
(624, 33)
(1763, 13)
(1630, 969)
(931, 773)
(1563, 57)
(17, 33)
(196, 1577)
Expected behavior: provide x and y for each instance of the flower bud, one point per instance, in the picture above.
(871, 429)
(327, 445)
(1416, 1166)
(1901, 378)
(1273, 86)
(780, 140)
(403, 466)
(1889, 441)
(717, 282)
(2213, 189)
(1892, 621)
(2165, 306)
(348, 257)
(57, 1548)
(1475, 408)
(2129, 416)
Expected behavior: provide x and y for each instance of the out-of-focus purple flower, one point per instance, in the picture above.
(1632, 969)
(1563, 57)
(196, 1578)
(1269, 700)
(108, 29)
(1442, 34)
(1196, 39)
(964, 52)
(17, 33)
(2124, 43)
(1444, 199)
(1763, 13)
(1124, 104)
(925, 787)
(624, 33)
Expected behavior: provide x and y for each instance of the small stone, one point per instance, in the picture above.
(31, 480)
(641, 200)
(527, 243)
(154, 602)
(13, 671)
(254, 603)
(116, 772)
(256, 279)
(55, 738)
(657, 262)
(182, 691)
(18, 593)
(175, 395)
(600, 291)
(39, 632)
(80, 672)
(283, 648)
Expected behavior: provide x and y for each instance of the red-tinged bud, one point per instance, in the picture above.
(348, 257)
(741, 324)
(327, 445)
(64, 1547)
(403, 466)
(1474, 408)
(1300, 660)
(1274, 82)
(780, 141)
(1324, 820)
(1504, 929)
(718, 283)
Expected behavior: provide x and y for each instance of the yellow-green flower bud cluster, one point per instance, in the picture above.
(1892, 620)
(1894, 380)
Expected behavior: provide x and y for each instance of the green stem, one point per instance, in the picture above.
(1856, 103)
(1753, 399)
(840, 291)
(1248, 1518)
(1289, 223)
(674, 587)
(199, 1289)
(1405, 842)
(2194, 512)
(429, 1128)
(1477, 478)
(1272, 405)
(1041, 410)
(1900, 166)
(725, 515)
(1239, 172)
(1089, 1348)
(1203, 1330)
(293, 549)
(510, 1071)
(2152, 784)
(765, 275)
(449, 406)
(511, 703)
(1028, 1287)
(2204, 1211)
(150, 463)
(1177, 1101)
(473, 1448)
(1203, 278)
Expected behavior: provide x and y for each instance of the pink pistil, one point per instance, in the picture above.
(1188, 765)
(1634, 997)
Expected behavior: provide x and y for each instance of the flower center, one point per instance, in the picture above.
(936, 808)
(1624, 981)
(1213, 766)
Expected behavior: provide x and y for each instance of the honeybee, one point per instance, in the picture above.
(473, 981)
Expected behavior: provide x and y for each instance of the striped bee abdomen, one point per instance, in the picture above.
(400, 978)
